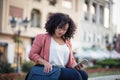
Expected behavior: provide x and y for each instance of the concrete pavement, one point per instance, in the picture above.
(110, 77)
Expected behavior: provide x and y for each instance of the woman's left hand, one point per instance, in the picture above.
(78, 66)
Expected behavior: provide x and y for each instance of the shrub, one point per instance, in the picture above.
(5, 67)
(94, 67)
(27, 66)
(109, 62)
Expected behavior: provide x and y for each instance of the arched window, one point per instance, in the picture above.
(93, 11)
(52, 2)
(86, 9)
(86, 6)
(101, 14)
(35, 18)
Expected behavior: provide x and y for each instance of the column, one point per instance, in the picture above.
(98, 13)
(110, 7)
(90, 15)
(1, 10)
(110, 13)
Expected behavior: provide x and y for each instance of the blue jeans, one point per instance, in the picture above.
(73, 74)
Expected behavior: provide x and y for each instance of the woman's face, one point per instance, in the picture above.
(59, 32)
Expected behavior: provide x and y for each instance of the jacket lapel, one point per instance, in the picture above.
(47, 46)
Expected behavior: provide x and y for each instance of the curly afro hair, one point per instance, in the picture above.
(60, 20)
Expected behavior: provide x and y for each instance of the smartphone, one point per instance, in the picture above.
(84, 61)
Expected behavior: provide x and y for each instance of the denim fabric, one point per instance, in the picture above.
(72, 74)
(37, 73)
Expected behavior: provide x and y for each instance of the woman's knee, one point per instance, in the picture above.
(76, 73)
(71, 74)
(83, 74)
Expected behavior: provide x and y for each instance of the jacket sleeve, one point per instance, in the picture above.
(36, 48)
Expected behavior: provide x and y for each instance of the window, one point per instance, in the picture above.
(35, 18)
(86, 6)
(19, 55)
(89, 38)
(52, 2)
(99, 38)
(67, 3)
(101, 15)
(103, 38)
(93, 11)
(16, 12)
(3, 51)
(86, 9)
(107, 39)
(106, 18)
(84, 36)
(94, 37)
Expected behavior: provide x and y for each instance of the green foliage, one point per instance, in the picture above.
(94, 67)
(5, 67)
(27, 66)
(109, 62)
(17, 40)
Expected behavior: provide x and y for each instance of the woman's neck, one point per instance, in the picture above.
(59, 40)
(56, 37)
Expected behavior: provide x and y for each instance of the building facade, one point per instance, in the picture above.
(92, 17)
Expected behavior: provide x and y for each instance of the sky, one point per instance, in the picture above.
(116, 14)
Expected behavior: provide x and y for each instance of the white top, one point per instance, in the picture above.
(59, 54)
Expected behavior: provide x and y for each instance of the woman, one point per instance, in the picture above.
(54, 48)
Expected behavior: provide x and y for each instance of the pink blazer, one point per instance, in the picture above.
(41, 48)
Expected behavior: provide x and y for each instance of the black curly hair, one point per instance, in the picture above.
(60, 20)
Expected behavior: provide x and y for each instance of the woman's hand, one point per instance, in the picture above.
(47, 67)
(78, 66)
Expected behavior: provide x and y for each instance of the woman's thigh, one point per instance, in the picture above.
(83, 74)
(70, 74)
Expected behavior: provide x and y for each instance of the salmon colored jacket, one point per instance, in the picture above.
(41, 48)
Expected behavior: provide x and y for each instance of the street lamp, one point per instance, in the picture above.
(110, 46)
(24, 24)
(114, 40)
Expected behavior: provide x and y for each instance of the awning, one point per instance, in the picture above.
(3, 44)
(92, 53)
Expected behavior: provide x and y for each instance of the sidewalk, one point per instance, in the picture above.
(110, 77)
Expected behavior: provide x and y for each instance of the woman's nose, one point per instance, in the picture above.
(61, 31)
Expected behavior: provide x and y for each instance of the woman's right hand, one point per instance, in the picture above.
(47, 67)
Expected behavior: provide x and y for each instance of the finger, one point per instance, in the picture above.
(81, 65)
(48, 69)
(77, 67)
(45, 70)
(51, 69)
